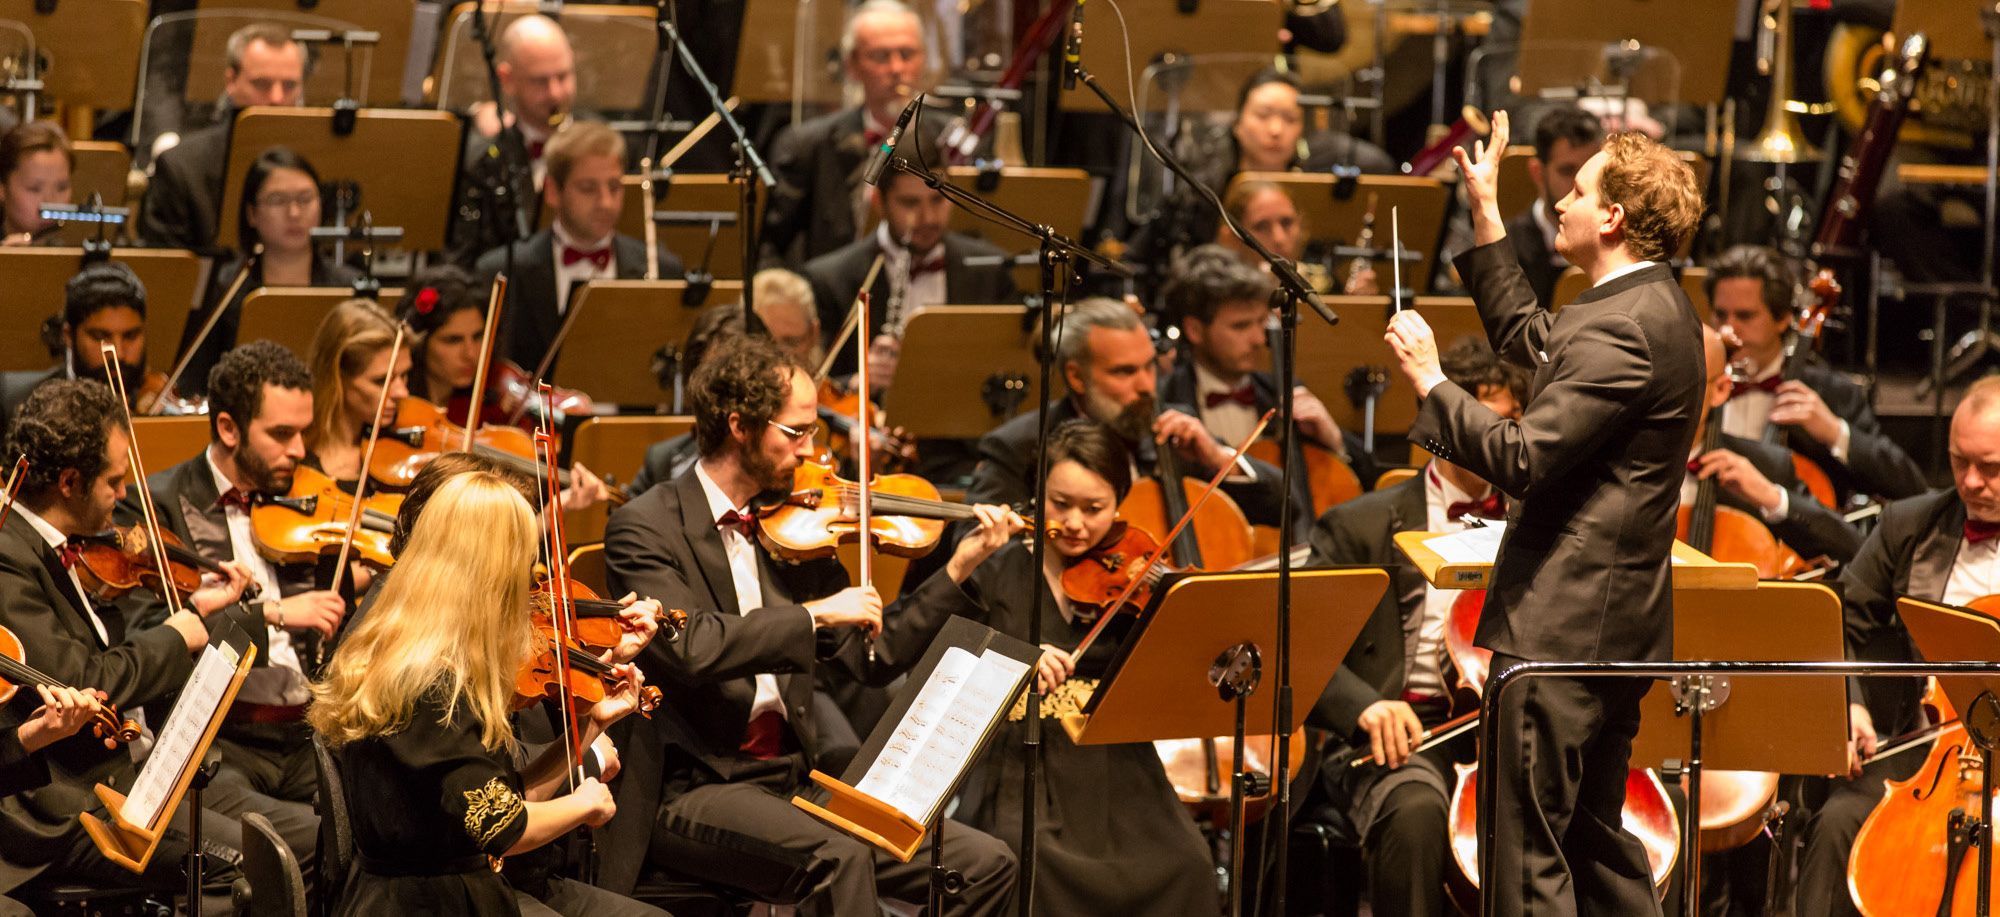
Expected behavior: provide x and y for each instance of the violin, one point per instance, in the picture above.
(311, 519)
(15, 673)
(422, 432)
(821, 513)
(510, 401)
(840, 408)
(597, 619)
(118, 560)
(579, 674)
(154, 397)
(1099, 576)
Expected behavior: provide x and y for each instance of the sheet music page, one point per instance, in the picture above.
(189, 720)
(1477, 545)
(939, 734)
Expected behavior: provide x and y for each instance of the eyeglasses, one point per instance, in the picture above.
(796, 435)
(299, 201)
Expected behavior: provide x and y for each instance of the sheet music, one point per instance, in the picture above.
(937, 737)
(1476, 545)
(177, 741)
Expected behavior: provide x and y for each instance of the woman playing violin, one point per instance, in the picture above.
(416, 707)
(1113, 838)
(449, 319)
(350, 364)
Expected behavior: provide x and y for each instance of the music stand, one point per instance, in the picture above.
(707, 192)
(1328, 355)
(963, 370)
(1698, 35)
(378, 70)
(168, 441)
(612, 76)
(1058, 197)
(405, 163)
(1451, 569)
(1332, 213)
(614, 448)
(616, 327)
(91, 49)
(290, 315)
(1233, 30)
(1945, 633)
(34, 289)
(1694, 282)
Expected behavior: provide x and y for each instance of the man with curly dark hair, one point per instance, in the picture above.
(75, 442)
(707, 779)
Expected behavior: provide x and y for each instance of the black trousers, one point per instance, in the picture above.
(221, 845)
(272, 774)
(569, 898)
(1560, 847)
(1402, 817)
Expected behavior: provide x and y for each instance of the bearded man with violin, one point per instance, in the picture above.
(74, 438)
(1596, 462)
(103, 304)
(706, 778)
(1939, 547)
(1789, 396)
(260, 403)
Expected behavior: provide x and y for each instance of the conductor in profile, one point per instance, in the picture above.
(1594, 466)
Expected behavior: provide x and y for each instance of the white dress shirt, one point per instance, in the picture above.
(281, 681)
(1749, 412)
(584, 270)
(1230, 421)
(908, 291)
(743, 575)
(1627, 269)
(1974, 572)
(1423, 639)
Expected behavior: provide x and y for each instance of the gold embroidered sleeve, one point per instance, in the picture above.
(491, 810)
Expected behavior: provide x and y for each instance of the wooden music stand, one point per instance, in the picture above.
(1328, 354)
(168, 441)
(378, 71)
(406, 163)
(767, 57)
(290, 315)
(91, 49)
(1453, 570)
(101, 169)
(1951, 25)
(1948, 633)
(1232, 32)
(614, 448)
(1419, 202)
(955, 356)
(697, 192)
(176, 756)
(614, 65)
(1697, 35)
(1694, 282)
(619, 325)
(881, 823)
(35, 278)
(1788, 724)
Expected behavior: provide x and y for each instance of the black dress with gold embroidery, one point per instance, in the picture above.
(429, 805)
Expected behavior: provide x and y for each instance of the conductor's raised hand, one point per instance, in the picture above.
(1482, 180)
(1416, 350)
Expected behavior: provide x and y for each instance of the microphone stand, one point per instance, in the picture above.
(1292, 290)
(513, 166)
(1057, 253)
(747, 173)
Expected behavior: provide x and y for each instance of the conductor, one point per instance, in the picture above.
(1594, 465)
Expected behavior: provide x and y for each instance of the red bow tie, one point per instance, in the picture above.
(70, 553)
(1243, 395)
(535, 148)
(744, 523)
(601, 257)
(1492, 507)
(1977, 531)
(929, 266)
(234, 496)
(1766, 385)
(872, 138)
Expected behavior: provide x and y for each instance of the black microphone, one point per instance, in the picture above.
(1073, 51)
(880, 157)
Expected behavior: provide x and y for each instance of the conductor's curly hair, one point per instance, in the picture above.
(745, 377)
(1658, 190)
(64, 424)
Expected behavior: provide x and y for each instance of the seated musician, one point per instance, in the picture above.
(1819, 412)
(103, 304)
(74, 439)
(820, 203)
(183, 204)
(1394, 683)
(416, 707)
(537, 71)
(447, 315)
(785, 304)
(1565, 138)
(260, 403)
(1113, 838)
(923, 264)
(670, 457)
(280, 208)
(1222, 306)
(64, 711)
(1105, 355)
(585, 191)
(707, 777)
(1267, 212)
(1758, 478)
(1938, 547)
(35, 165)
(349, 359)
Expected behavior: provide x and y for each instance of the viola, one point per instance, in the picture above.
(311, 519)
(597, 618)
(821, 513)
(118, 560)
(422, 432)
(15, 673)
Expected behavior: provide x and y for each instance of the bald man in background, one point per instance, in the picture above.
(537, 70)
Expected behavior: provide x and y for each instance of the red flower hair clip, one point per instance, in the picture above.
(427, 299)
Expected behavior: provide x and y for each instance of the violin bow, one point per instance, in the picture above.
(562, 603)
(475, 409)
(1111, 610)
(147, 510)
(355, 510)
(14, 479)
(227, 302)
(847, 327)
(864, 462)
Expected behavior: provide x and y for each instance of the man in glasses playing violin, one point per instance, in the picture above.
(73, 436)
(260, 402)
(707, 778)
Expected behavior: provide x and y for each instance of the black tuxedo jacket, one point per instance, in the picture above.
(811, 211)
(1542, 265)
(665, 460)
(135, 667)
(1180, 387)
(15, 387)
(1361, 531)
(1875, 465)
(837, 275)
(184, 200)
(1595, 462)
(664, 545)
(1910, 552)
(185, 498)
(1809, 527)
(531, 321)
